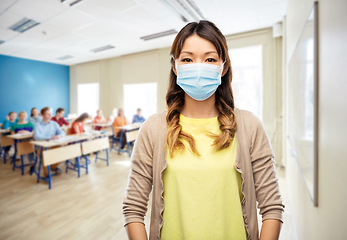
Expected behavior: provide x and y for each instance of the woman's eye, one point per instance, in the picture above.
(186, 60)
(210, 60)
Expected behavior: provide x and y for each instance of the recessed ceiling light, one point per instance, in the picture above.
(24, 25)
(65, 57)
(158, 35)
(104, 48)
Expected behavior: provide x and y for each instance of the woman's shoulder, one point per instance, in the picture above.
(155, 122)
(156, 118)
(246, 117)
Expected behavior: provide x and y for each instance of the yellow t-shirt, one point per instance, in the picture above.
(202, 194)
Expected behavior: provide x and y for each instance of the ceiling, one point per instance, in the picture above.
(76, 30)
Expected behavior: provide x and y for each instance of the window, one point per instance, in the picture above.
(142, 96)
(247, 78)
(88, 98)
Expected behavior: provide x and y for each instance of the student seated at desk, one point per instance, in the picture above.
(34, 116)
(120, 121)
(48, 130)
(99, 119)
(138, 118)
(11, 119)
(78, 125)
(59, 117)
(23, 126)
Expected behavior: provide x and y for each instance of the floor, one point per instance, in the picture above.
(88, 207)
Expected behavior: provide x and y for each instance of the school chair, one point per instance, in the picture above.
(23, 148)
(5, 142)
(131, 137)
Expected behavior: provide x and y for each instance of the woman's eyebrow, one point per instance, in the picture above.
(209, 52)
(187, 52)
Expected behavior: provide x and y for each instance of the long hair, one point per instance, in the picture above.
(82, 117)
(31, 112)
(224, 94)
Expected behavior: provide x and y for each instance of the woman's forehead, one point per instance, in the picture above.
(195, 44)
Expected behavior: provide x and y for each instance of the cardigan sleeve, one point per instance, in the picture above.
(264, 173)
(140, 179)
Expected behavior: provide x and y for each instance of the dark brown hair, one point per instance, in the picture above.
(224, 94)
(45, 109)
(11, 113)
(82, 117)
(31, 112)
(59, 110)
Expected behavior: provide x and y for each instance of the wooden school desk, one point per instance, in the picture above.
(65, 153)
(130, 132)
(21, 147)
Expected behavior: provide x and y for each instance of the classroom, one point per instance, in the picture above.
(173, 119)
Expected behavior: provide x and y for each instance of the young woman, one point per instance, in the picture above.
(23, 126)
(207, 162)
(34, 116)
(78, 125)
(99, 118)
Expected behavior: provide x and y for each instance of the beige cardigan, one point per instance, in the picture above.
(254, 160)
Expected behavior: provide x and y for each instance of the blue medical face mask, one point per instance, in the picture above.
(199, 80)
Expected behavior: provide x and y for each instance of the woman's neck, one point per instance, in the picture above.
(22, 122)
(199, 109)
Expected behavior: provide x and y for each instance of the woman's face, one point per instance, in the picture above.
(98, 114)
(198, 50)
(22, 117)
(35, 112)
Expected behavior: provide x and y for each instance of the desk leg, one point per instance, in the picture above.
(22, 161)
(4, 150)
(120, 141)
(86, 165)
(96, 157)
(49, 177)
(78, 166)
(107, 156)
(14, 155)
(40, 164)
(129, 149)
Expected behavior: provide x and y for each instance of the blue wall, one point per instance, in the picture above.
(27, 83)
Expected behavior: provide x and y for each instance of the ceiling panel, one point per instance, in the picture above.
(6, 3)
(7, 19)
(103, 8)
(44, 31)
(71, 19)
(65, 30)
(6, 34)
(33, 9)
(242, 18)
(96, 29)
(272, 10)
(69, 39)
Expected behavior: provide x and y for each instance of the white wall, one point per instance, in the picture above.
(111, 74)
(328, 220)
